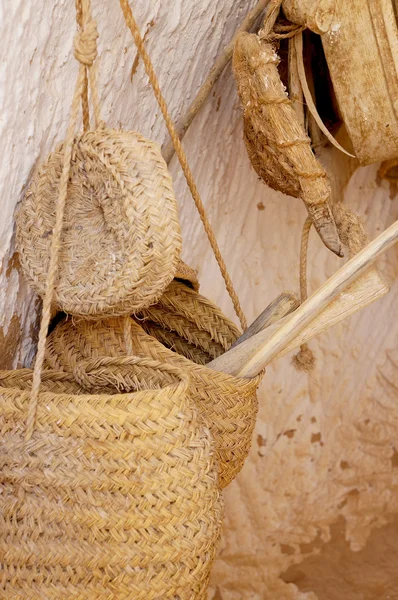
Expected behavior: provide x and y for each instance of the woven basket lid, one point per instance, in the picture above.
(121, 236)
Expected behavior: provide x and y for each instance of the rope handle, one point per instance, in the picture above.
(116, 372)
(85, 51)
(139, 42)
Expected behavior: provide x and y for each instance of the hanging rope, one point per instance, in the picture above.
(305, 234)
(132, 25)
(85, 52)
(85, 106)
(304, 360)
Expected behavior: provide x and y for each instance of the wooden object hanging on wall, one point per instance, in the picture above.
(360, 40)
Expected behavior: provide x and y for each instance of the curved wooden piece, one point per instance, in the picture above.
(361, 49)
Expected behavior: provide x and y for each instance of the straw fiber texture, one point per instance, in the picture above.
(186, 275)
(189, 324)
(116, 495)
(227, 404)
(121, 236)
(278, 147)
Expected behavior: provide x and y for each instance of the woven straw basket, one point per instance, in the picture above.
(115, 496)
(121, 236)
(227, 404)
(189, 324)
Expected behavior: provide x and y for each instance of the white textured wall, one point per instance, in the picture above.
(258, 229)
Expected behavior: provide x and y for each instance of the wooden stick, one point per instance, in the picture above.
(368, 288)
(214, 74)
(359, 294)
(283, 305)
(250, 357)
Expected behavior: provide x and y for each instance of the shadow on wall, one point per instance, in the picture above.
(360, 577)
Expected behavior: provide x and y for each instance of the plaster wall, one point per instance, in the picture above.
(259, 233)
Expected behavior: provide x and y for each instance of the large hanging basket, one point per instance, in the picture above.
(121, 239)
(115, 495)
(227, 404)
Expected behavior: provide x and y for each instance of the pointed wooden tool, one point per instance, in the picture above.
(351, 288)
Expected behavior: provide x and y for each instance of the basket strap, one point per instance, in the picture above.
(117, 372)
(85, 50)
(132, 25)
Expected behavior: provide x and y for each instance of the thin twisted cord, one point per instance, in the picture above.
(55, 247)
(304, 360)
(94, 95)
(86, 52)
(132, 25)
(85, 105)
(285, 35)
(271, 30)
(303, 259)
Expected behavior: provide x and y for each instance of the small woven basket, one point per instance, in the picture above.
(115, 495)
(227, 404)
(189, 324)
(121, 239)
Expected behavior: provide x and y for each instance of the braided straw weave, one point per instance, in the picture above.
(227, 404)
(115, 495)
(278, 147)
(186, 275)
(121, 237)
(189, 324)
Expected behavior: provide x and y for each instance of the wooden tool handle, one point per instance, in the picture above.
(250, 357)
(283, 305)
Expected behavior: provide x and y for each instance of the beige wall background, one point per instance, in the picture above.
(293, 486)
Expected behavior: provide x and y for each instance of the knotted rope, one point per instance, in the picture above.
(85, 45)
(85, 51)
(132, 25)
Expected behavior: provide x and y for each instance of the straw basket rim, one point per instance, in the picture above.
(82, 372)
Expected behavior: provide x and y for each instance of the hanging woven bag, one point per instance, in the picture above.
(227, 404)
(120, 240)
(115, 494)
